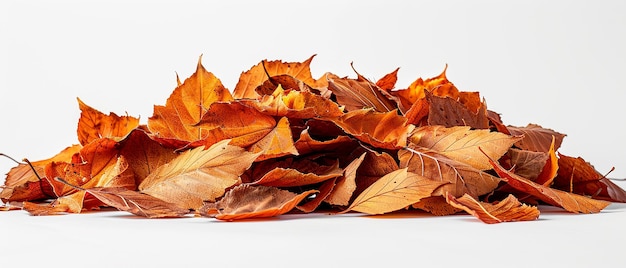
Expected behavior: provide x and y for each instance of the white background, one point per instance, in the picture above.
(559, 64)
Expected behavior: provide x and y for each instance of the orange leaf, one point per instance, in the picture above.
(568, 201)
(388, 82)
(382, 130)
(246, 201)
(277, 143)
(143, 154)
(462, 178)
(461, 143)
(549, 170)
(439, 86)
(198, 175)
(579, 176)
(175, 124)
(256, 75)
(93, 124)
(509, 209)
(297, 104)
(394, 191)
(345, 185)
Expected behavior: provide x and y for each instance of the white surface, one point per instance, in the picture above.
(557, 64)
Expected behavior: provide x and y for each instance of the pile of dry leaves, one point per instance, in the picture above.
(284, 142)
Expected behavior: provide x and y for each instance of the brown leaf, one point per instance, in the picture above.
(307, 144)
(436, 205)
(175, 124)
(198, 175)
(345, 185)
(394, 191)
(246, 202)
(579, 176)
(137, 203)
(509, 209)
(93, 124)
(536, 138)
(360, 93)
(460, 143)
(527, 164)
(451, 112)
(298, 173)
(568, 201)
(144, 155)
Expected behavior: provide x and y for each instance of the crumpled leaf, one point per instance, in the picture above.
(298, 173)
(509, 209)
(394, 191)
(451, 112)
(277, 143)
(137, 203)
(94, 124)
(246, 202)
(257, 74)
(569, 201)
(345, 185)
(438, 86)
(198, 175)
(461, 143)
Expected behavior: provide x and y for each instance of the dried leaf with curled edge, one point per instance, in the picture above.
(382, 130)
(509, 209)
(451, 112)
(527, 164)
(579, 176)
(296, 104)
(299, 173)
(22, 184)
(144, 155)
(536, 138)
(247, 201)
(137, 203)
(360, 93)
(257, 74)
(198, 175)
(94, 124)
(461, 143)
(568, 201)
(278, 142)
(439, 86)
(394, 191)
(388, 82)
(345, 185)
(175, 123)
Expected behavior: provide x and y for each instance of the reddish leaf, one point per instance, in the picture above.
(579, 176)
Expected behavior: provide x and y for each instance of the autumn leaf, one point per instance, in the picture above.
(137, 203)
(257, 74)
(568, 201)
(94, 124)
(360, 93)
(509, 209)
(382, 130)
(346, 185)
(296, 104)
(143, 154)
(527, 164)
(536, 138)
(198, 175)
(298, 173)
(579, 176)
(438, 86)
(449, 112)
(461, 143)
(246, 202)
(175, 124)
(394, 191)
(461, 178)
(388, 82)
(277, 143)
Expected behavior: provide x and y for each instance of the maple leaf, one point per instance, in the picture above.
(394, 191)
(509, 209)
(198, 175)
(94, 125)
(246, 201)
(175, 124)
(460, 143)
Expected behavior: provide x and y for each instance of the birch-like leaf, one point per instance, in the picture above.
(394, 191)
(198, 175)
(461, 143)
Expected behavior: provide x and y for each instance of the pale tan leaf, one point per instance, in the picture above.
(509, 209)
